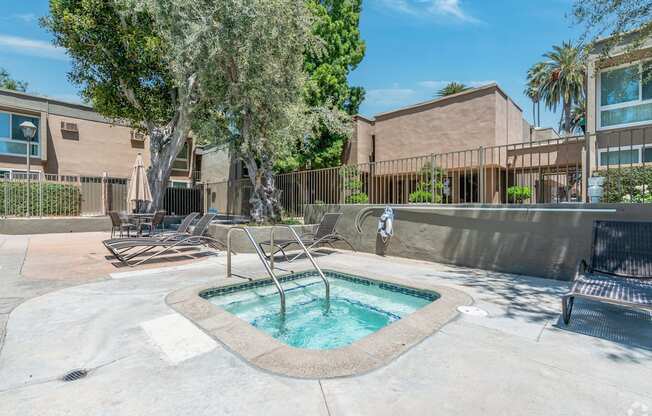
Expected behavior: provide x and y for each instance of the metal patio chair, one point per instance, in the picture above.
(182, 230)
(324, 234)
(151, 226)
(620, 271)
(120, 225)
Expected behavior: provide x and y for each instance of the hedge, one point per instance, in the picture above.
(621, 182)
(55, 199)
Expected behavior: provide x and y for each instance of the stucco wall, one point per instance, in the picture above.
(215, 166)
(462, 122)
(545, 241)
(16, 226)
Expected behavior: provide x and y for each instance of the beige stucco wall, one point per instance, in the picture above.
(459, 123)
(216, 165)
(360, 144)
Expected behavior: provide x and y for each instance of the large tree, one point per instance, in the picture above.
(228, 70)
(336, 24)
(7, 82)
(561, 78)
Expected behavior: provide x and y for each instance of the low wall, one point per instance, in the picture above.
(16, 226)
(241, 244)
(541, 240)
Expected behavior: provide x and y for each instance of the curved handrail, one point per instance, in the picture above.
(261, 256)
(305, 250)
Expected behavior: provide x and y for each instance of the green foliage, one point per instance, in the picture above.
(52, 199)
(336, 25)
(627, 184)
(353, 185)
(621, 21)
(560, 79)
(112, 53)
(429, 188)
(7, 82)
(452, 88)
(518, 194)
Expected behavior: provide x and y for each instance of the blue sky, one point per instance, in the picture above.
(414, 47)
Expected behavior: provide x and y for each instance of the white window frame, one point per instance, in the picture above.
(35, 174)
(638, 147)
(176, 181)
(633, 103)
(11, 140)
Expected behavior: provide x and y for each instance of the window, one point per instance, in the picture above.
(626, 96)
(181, 162)
(12, 141)
(177, 184)
(630, 155)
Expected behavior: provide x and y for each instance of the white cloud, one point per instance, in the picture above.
(32, 47)
(24, 17)
(430, 8)
(389, 96)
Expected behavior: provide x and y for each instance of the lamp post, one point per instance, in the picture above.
(29, 131)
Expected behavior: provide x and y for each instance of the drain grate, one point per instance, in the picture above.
(75, 375)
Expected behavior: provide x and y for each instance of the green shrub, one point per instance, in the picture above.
(359, 198)
(518, 194)
(49, 199)
(422, 195)
(627, 184)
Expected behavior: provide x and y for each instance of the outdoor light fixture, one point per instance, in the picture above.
(29, 131)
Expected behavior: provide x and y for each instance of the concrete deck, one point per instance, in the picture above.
(147, 359)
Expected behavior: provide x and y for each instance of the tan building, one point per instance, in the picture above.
(73, 140)
(484, 116)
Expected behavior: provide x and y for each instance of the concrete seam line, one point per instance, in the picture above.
(323, 395)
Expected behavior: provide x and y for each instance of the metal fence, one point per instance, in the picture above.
(46, 195)
(548, 171)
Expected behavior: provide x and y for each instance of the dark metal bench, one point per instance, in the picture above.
(620, 271)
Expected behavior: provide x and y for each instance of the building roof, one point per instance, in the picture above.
(428, 103)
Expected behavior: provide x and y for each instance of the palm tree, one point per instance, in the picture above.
(578, 117)
(533, 90)
(452, 88)
(563, 80)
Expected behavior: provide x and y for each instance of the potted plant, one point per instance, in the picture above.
(518, 194)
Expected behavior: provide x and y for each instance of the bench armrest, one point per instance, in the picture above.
(582, 267)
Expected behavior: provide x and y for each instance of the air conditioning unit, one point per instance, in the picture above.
(71, 127)
(136, 136)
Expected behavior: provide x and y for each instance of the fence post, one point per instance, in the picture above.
(40, 194)
(587, 166)
(481, 178)
(204, 196)
(104, 191)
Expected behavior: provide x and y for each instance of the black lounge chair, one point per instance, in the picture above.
(325, 234)
(620, 271)
(129, 248)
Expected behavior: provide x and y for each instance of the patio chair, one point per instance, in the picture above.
(182, 230)
(120, 225)
(325, 234)
(620, 272)
(129, 248)
(152, 225)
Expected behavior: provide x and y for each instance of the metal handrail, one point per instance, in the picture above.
(262, 259)
(305, 250)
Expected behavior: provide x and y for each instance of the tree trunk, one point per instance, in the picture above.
(164, 148)
(264, 201)
(567, 117)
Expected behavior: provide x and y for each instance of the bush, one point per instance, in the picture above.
(359, 198)
(421, 195)
(518, 194)
(627, 184)
(55, 199)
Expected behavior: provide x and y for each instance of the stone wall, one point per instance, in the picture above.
(541, 240)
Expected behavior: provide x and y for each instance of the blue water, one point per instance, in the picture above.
(355, 310)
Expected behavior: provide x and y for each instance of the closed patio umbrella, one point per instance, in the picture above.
(139, 191)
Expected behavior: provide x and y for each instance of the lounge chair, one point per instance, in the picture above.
(129, 248)
(620, 271)
(325, 234)
(181, 231)
(118, 224)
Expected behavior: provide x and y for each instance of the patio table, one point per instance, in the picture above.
(140, 218)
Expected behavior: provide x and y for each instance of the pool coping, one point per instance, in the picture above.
(364, 355)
